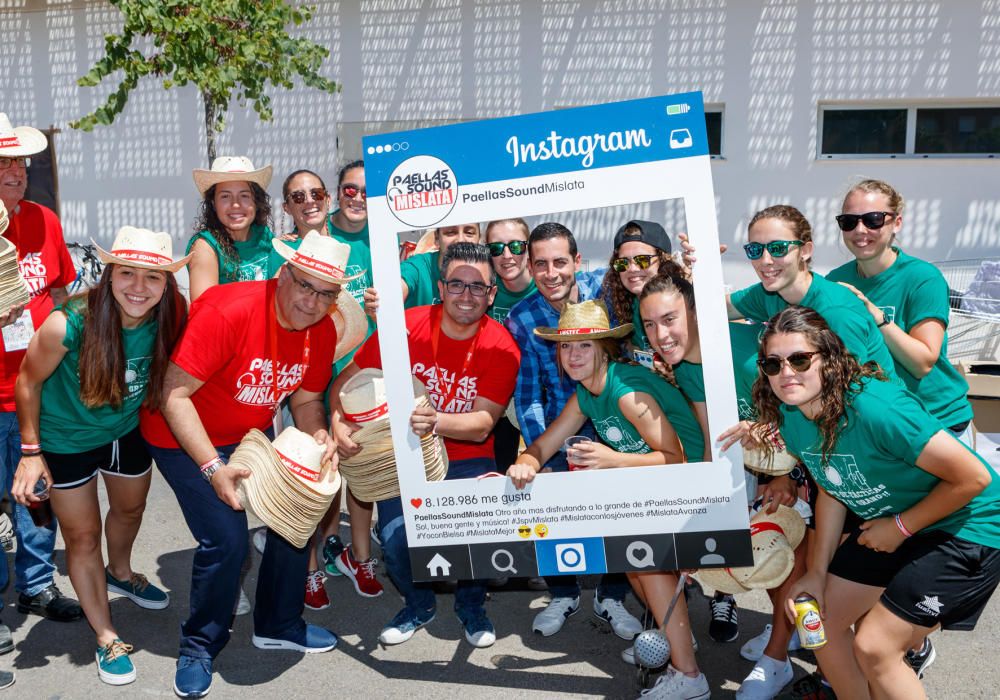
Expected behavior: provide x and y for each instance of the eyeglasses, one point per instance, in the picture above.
(798, 361)
(641, 261)
(317, 194)
(872, 220)
(8, 161)
(352, 191)
(476, 289)
(516, 248)
(326, 297)
(776, 249)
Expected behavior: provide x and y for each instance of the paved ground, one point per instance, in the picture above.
(55, 660)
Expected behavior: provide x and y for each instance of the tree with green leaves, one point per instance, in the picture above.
(220, 46)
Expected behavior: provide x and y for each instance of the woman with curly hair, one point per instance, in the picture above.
(95, 361)
(925, 554)
(232, 241)
(641, 250)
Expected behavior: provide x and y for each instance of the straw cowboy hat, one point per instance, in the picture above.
(4, 221)
(231, 169)
(140, 247)
(773, 459)
(13, 290)
(427, 243)
(21, 140)
(289, 488)
(587, 320)
(774, 537)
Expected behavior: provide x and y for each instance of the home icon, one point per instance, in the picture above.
(439, 566)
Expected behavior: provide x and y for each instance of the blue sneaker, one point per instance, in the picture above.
(139, 590)
(402, 627)
(478, 628)
(309, 639)
(114, 667)
(193, 678)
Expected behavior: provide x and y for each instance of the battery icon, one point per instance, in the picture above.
(678, 109)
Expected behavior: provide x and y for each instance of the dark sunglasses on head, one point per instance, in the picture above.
(317, 194)
(641, 261)
(872, 220)
(352, 191)
(456, 287)
(516, 248)
(798, 361)
(776, 249)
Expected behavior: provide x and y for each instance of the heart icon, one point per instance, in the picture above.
(416, 502)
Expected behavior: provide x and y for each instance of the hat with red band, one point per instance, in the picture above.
(322, 256)
(140, 247)
(587, 320)
(20, 141)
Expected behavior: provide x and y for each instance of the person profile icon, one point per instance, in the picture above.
(712, 557)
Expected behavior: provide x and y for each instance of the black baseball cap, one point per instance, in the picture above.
(649, 232)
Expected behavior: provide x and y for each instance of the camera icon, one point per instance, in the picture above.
(571, 558)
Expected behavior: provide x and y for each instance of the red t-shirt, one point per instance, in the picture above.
(45, 263)
(227, 345)
(491, 373)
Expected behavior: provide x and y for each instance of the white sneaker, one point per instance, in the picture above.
(766, 679)
(754, 648)
(551, 620)
(624, 623)
(243, 606)
(260, 539)
(674, 685)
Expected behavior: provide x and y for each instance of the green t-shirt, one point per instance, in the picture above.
(67, 426)
(505, 300)
(617, 432)
(908, 292)
(639, 339)
(743, 344)
(254, 255)
(421, 274)
(873, 466)
(844, 313)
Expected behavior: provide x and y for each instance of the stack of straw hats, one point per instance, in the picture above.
(13, 290)
(290, 489)
(772, 459)
(774, 537)
(371, 473)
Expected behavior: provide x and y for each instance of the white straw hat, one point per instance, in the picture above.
(21, 140)
(231, 169)
(4, 221)
(321, 256)
(140, 247)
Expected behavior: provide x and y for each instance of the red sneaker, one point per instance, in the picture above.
(316, 597)
(361, 573)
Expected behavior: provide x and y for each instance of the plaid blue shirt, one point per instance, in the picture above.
(542, 390)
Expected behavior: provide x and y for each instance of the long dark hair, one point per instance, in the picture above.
(669, 281)
(208, 220)
(102, 351)
(841, 376)
(622, 300)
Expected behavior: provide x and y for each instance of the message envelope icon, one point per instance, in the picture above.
(680, 138)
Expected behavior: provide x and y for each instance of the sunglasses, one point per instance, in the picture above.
(6, 162)
(456, 287)
(317, 194)
(776, 249)
(352, 191)
(872, 220)
(641, 261)
(798, 361)
(516, 248)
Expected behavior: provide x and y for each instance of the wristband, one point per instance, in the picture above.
(209, 463)
(31, 453)
(30, 446)
(885, 321)
(902, 528)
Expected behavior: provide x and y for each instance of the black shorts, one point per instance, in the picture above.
(934, 578)
(127, 456)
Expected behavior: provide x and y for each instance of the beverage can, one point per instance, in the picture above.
(808, 622)
(41, 510)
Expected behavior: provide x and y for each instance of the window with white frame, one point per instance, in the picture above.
(909, 131)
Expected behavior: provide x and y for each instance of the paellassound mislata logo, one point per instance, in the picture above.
(422, 191)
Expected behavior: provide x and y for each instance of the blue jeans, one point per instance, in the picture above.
(395, 548)
(221, 533)
(33, 566)
(614, 586)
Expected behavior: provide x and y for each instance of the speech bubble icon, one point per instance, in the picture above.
(640, 555)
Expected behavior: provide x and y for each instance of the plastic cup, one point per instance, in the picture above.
(41, 511)
(569, 444)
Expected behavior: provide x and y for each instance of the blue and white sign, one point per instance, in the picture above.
(625, 154)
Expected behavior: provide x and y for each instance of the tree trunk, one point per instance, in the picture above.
(210, 121)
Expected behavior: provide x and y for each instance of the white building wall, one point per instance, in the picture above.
(769, 62)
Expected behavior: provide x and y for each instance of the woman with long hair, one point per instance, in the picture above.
(641, 420)
(667, 309)
(925, 552)
(88, 369)
(232, 239)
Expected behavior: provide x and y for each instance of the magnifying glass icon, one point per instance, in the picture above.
(501, 555)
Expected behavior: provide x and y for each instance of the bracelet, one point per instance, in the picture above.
(902, 528)
(31, 453)
(29, 446)
(885, 321)
(207, 465)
